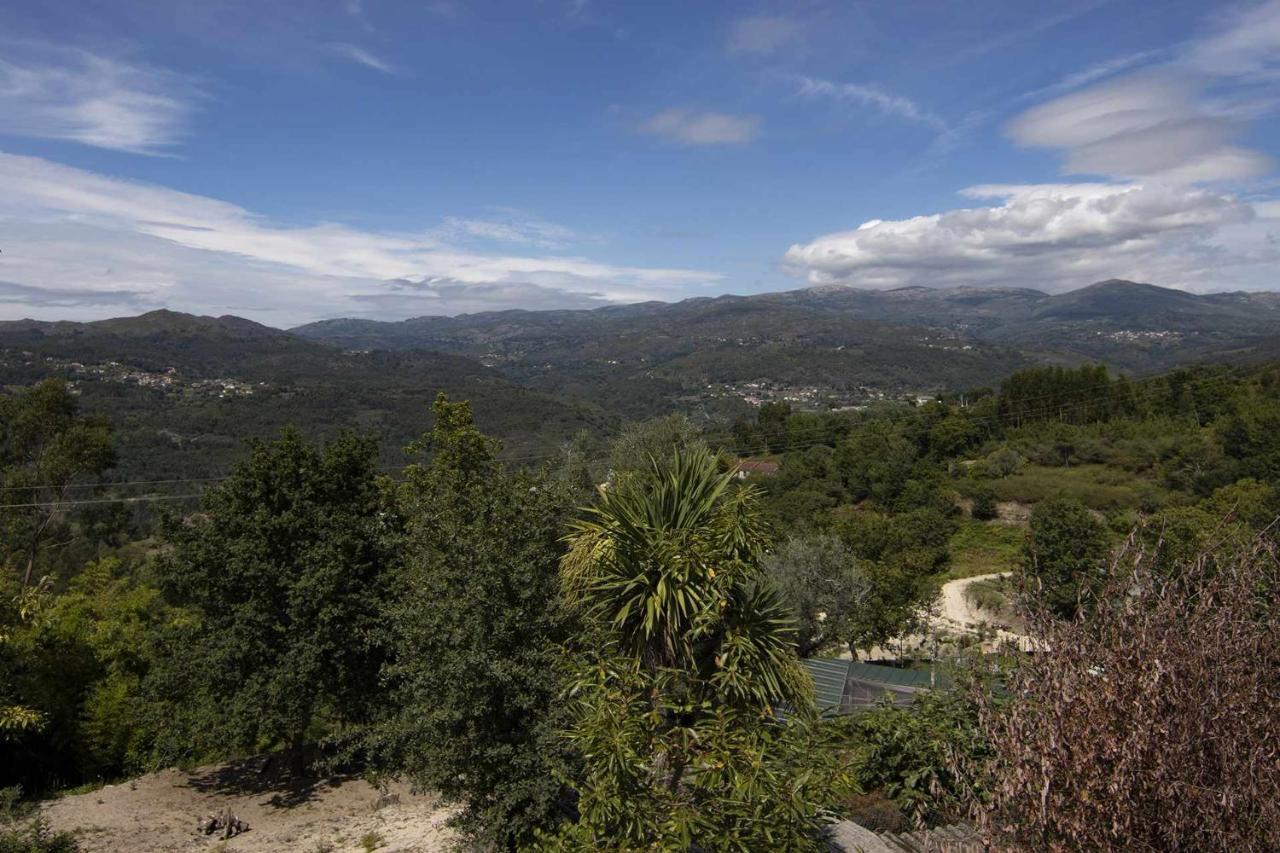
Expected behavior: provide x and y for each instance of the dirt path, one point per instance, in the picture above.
(956, 613)
(159, 812)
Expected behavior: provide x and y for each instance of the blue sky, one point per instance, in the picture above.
(294, 161)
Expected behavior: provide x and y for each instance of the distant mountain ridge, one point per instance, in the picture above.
(1118, 301)
(901, 340)
(184, 391)
(542, 375)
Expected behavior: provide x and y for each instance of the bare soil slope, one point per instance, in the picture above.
(159, 812)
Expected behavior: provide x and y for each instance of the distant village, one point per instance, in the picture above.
(169, 380)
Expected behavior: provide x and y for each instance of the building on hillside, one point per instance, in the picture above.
(754, 468)
(842, 686)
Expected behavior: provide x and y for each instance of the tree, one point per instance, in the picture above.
(984, 503)
(46, 447)
(19, 605)
(657, 438)
(83, 655)
(923, 757)
(1064, 554)
(827, 590)
(1004, 461)
(285, 568)
(952, 435)
(662, 772)
(900, 558)
(670, 563)
(690, 654)
(771, 422)
(478, 630)
(876, 461)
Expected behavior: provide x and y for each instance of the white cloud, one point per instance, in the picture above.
(1054, 237)
(360, 56)
(1144, 125)
(67, 93)
(1177, 121)
(513, 228)
(763, 34)
(1097, 71)
(866, 95)
(1162, 136)
(69, 228)
(1246, 43)
(692, 127)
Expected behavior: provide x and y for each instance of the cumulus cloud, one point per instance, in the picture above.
(692, 127)
(1165, 138)
(77, 95)
(866, 95)
(1053, 237)
(66, 226)
(763, 34)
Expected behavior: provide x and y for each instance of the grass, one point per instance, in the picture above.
(1096, 486)
(983, 547)
(988, 595)
(370, 841)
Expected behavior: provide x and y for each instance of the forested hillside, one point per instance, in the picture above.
(184, 392)
(499, 633)
(836, 344)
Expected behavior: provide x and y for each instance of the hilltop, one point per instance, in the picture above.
(185, 391)
(847, 343)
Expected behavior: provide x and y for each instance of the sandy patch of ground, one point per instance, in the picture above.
(159, 812)
(951, 615)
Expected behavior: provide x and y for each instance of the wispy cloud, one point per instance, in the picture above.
(762, 35)
(868, 95)
(693, 127)
(360, 56)
(1177, 121)
(72, 94)
(1245, 43)
(512, 228)
(1093, 73)
(1162, 127)
(197, 253)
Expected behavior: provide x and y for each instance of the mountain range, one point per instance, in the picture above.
(186, 388)
(849, 343)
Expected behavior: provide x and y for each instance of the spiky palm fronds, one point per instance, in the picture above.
(669, 564)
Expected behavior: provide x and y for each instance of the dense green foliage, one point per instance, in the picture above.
(828, 590)
(674, 704)
(284, 570)
(1066, 547)
(477, 629)
(922, 757)
(47, 447)
(590, 666)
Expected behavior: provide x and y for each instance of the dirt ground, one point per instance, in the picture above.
(159, 812)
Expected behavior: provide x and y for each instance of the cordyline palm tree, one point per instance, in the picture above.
(668, 565)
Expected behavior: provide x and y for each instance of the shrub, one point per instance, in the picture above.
(35, 837)
(924, 757)
(984, 503)
(1148, 721)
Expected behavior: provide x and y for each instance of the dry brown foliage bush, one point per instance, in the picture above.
(1152, 720)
